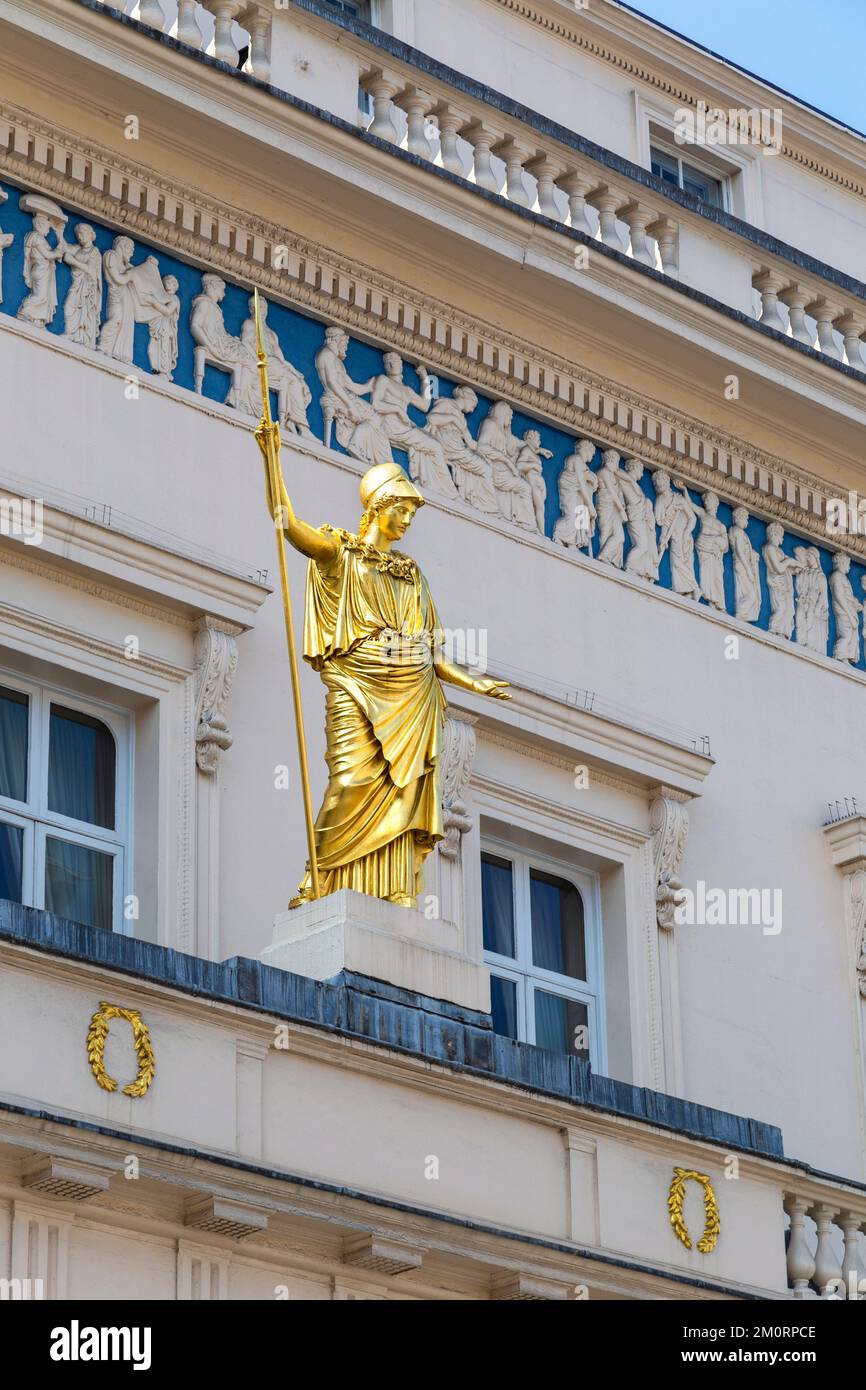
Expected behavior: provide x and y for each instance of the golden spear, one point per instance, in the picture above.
(268, 435)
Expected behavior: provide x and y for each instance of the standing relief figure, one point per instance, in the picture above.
(501, 448)
(529, 467)
(781, 569)
(812, 600)
(612, 513)
(712, 546)
(292, 390)
(40, 259)
(355, 422)
(391, 398)
(747, 569)
(118, 331)
(677, 515)
(846, 611)
(643, 557)
(577, 484)
(6, 240)
(82, 307)
(471, 470)
(162, 347)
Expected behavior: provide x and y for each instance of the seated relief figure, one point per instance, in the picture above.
(293, 393)
(356, 424)
(472, 473)
(214, 344)
(391, 399)
(577, 485)
(501, 448)
(372, 632)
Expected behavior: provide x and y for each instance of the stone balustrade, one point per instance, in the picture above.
(223, 28)
(825, 1250)
(811, 312)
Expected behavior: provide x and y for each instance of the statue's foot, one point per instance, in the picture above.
(402, 900)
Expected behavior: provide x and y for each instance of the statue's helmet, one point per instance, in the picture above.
(387, 480)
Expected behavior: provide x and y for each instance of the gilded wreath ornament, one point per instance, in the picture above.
(96, 1039)
(676, 1198)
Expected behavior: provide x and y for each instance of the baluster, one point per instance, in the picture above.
(258, 22)
(416, 105)
(224, 13)
(636, 216)
(383, 92)
(576, 187)
(450, 122)
(768, 285)
(852, 1267)
(514, 155)
(801, 1265)
(546, 172)
(151, 12)
(667, 235)
(852, 327)
(828, 1271)
(824, 314)
(188, 31)
(606, 201)
(482, 139)
(796, 298)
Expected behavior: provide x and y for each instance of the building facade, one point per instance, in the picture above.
(599, 292)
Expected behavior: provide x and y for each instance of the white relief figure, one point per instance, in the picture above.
(529, 467)
(677, 516)
(6, 240)
(82, 306)
(214, 345)
(471, 470)
(781, 569)
(391, 398)
(612, 514)
(117, 337)
(812, 604)
(846, 611)
(712, 546)
(643, 556)
(355, 422)
(747, 569)
(293, 393)
(501, 448)
(577, 484)
(40, 260)
(162, 347)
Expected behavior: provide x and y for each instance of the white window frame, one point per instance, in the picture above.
(528, 976)
(683, 155)
(40, 823)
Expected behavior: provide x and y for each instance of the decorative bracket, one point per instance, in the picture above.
(457, 759)
(216, 660)
(669, 824)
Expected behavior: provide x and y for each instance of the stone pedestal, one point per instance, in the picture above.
(352, 932)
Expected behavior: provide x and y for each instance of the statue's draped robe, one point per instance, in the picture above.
(369, 630)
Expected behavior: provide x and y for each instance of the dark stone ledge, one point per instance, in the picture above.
(356, 1007)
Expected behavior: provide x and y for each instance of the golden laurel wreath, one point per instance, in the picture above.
(676, 1197)
(96, 1037)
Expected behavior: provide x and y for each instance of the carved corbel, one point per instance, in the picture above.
(216, 659)
(457, 759)
(669, 824)
(847, 841)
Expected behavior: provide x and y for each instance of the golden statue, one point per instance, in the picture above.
(372, 633)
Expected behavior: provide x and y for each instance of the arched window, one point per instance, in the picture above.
(62, 804)
(541, 942)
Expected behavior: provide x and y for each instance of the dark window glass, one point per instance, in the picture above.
(702, 186)
(503, 1006)
(665, 166)
(558, 941)
(81, 767)
(561, 1025)
(14, 711)
(358, 9)
(11, 856)
(497, 905)
(78, 883)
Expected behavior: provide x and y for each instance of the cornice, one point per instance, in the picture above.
(383, 309)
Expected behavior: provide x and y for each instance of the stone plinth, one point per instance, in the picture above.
(352, 932)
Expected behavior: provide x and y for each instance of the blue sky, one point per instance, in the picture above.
(815, 49)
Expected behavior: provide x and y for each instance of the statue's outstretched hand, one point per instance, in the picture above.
(497, 690)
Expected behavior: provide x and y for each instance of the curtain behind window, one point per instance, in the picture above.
(81, 767)
(78, 883)
(14, 715)
(558, 941)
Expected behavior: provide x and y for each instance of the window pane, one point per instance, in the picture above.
(702, 186)
(14, 709)
(665, 166)
(78, 883)
(497, 905)
(561, 1025)
(11, 854)
(558, 941)
(81, 767)
(503, 1006)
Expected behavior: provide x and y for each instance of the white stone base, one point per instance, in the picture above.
(351, 931)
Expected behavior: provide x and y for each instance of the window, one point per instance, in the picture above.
(540, 924)
(63, 817)
(358, 9)
(673, 169)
